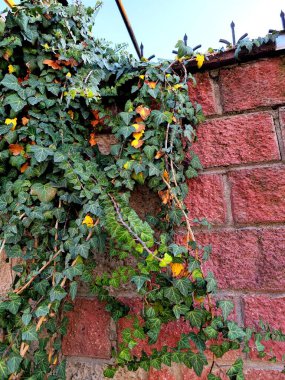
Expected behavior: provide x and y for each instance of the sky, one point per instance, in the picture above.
(159, 24)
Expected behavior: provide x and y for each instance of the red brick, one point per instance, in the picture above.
(282, 122)
(163, 374)
(237, 139)
(203, 93)
(234, 258)
(259, 374)
(258, 195)
(271, 266)
(88, 330)
(205, 199)
(269, 310)
(189, 374)
(253, 84)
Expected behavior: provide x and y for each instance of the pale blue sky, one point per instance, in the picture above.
(160, 23)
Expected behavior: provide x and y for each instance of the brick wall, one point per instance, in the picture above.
(242, 193)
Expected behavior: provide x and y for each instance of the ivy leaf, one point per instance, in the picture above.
(198, 361)
(126, 131)
(41, 153)
(42, 311)
(184, 285)
(26, 318)
(196, 317)
(126, 117)
(125, 354)
(14, 304)
(73, 290)
(211, 283)
(213, 377)
(140, 281)
(172, 294)
(179, 310)
(16, 103)
(226, 307)
(11, 82)
(109, 372)
(158, 117)
(220, 349)
(211, 332)
(3, 370)
(44, 192)
(235, 332)
(195, 162)
(13, 363)
(236, 369)
(149, 151)
(57, 294)
(29, 333)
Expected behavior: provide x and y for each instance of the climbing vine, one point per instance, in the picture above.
(65, 203)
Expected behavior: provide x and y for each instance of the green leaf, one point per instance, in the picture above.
(16, 103)
(109, 372)
(195, 162)
(149, 151)
(235, 332)
(158, 117)
(198, 361)
(44, 192)
(11, 82)
(213, 377)
(29, 333)
(196, 317)
(13, 363)
(126, 117)
(184, 285)
(220, 349)
(14, 304)
(172, 294)
(140, 281)
(57, 294)
(125, 354)
(226, 306)
(42, 310)
(211, 283)
(179, 310)
(211, 332)
(41, 153)
(236, 369)
(73, 290)
(26, 318)
(3, 370)
(126, 131)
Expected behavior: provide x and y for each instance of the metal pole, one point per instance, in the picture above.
(129, 27)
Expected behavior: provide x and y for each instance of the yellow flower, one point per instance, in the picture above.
(88, 221)
(200, 58)
(141, 76)
(11, 69)
(46, 46)
(68, 75)
(13, 122)
(176, 86)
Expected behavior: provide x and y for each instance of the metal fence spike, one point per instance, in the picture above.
(185, 38)
(282, 15)
(141, 49)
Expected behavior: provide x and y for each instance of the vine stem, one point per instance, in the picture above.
(25, 346)
(2, 246)
(22, 288)
(127, 227)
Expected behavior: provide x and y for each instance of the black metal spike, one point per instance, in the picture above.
(141, 49)
(197, 47)
(282, 15)
(242, 37)
(233, 32)
(224, 41)
(185, 38)
(151, 57)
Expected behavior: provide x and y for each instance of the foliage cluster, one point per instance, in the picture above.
(64, 204)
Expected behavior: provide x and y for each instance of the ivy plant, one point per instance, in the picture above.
(65, 204)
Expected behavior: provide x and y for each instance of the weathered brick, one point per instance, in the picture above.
(205, 199)
(234, 258)
(166, 373)
(271, 266)
(189, 374)
(260, 374)
(253, 84)
(204, 93)
(282, 122)
(7, 275)
(258, 195)
(269, 310)
(88, 330)
(237, 139)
